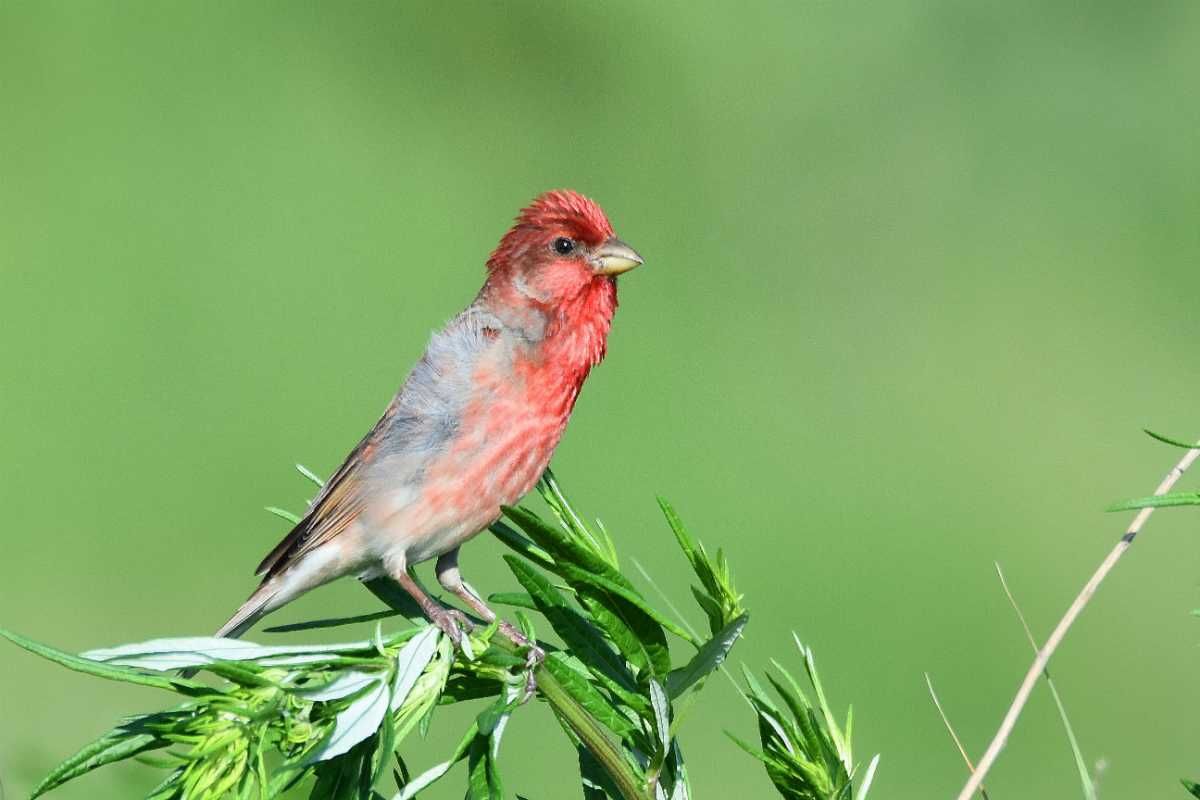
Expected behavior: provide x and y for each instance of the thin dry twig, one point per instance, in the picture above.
(1089, 786)
(950, 729)
(1060, 631)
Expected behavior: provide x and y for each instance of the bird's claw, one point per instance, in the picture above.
(453, 623)
(534, 656)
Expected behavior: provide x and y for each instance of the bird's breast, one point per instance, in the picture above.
(503, 441)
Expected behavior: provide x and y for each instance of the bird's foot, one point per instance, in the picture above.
(452, 622)
(534, 656)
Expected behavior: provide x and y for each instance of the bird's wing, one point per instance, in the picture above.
(335, 506)
(419, 422)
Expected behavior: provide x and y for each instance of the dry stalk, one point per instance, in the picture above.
(1056, 637)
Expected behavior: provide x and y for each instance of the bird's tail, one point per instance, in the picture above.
(255, 608)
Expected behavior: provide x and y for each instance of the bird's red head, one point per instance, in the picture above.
(562, 244)
(553, 278)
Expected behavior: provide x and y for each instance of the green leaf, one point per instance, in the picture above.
(1169, 440)
(167, 789)
(483, 778)
(199, 651)
(355, 723)
(1192, 787)
(600, 543)
(640, 639)
(662, 720)
(1158, 501)
(383, 748)
(517, 599)
(113, 673)
(709, 658)
(522, 545)
(718, 598)
(676, 524)
(438, 770)
(312, 476)
(580, 636)
(345, 778)
(461, 687)
(343, 684)
(868, 778)
(411, 662)
(491, 716)
(284, 514)
(587, 695)
(712, 609)
(577, 576)
(116, 745)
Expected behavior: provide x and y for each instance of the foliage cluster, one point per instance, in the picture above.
(339, 714)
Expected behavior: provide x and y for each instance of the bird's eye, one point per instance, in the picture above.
(563, 246)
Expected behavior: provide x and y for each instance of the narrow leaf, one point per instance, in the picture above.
(284, 514)
(354, 723)
(1170, 441)
(438, 770)
(709, 658)
(312, 476)
(560, 545)
(168, 654)
(115, 745)
(640, 640)
(580, 636)
(519, 543)
(587, 695)
(90, 667)
(868, 779)
(517, 599)
(578, 576)
(662, 715)
(1158, 501)
(344, 684)
(411, 661)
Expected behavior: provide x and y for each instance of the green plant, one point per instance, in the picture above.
(337, 713)
(808, 756)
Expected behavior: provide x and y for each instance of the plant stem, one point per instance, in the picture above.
(593, 736)
(1060, 631)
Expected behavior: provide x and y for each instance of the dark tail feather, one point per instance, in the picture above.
(250, 612)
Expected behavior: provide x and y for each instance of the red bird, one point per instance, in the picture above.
(474, 425)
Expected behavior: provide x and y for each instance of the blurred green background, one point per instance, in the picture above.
(917, 273)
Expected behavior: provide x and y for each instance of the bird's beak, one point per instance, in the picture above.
(614, 257)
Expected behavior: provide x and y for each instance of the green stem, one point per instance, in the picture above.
(606, 752)
(590, 732)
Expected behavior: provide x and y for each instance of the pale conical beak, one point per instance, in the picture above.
(614, 257)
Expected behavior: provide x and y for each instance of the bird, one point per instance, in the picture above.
(471, 428)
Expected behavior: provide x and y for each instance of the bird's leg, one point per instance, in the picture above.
(451, 580)
(451, 621)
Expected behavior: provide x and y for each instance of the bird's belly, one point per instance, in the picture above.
(489, 466)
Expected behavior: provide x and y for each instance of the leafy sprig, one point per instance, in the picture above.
(807, 754)
(337, 713)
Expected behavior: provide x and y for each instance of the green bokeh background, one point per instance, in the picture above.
(917, 273)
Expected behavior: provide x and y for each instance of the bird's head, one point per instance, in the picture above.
(561, 246)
